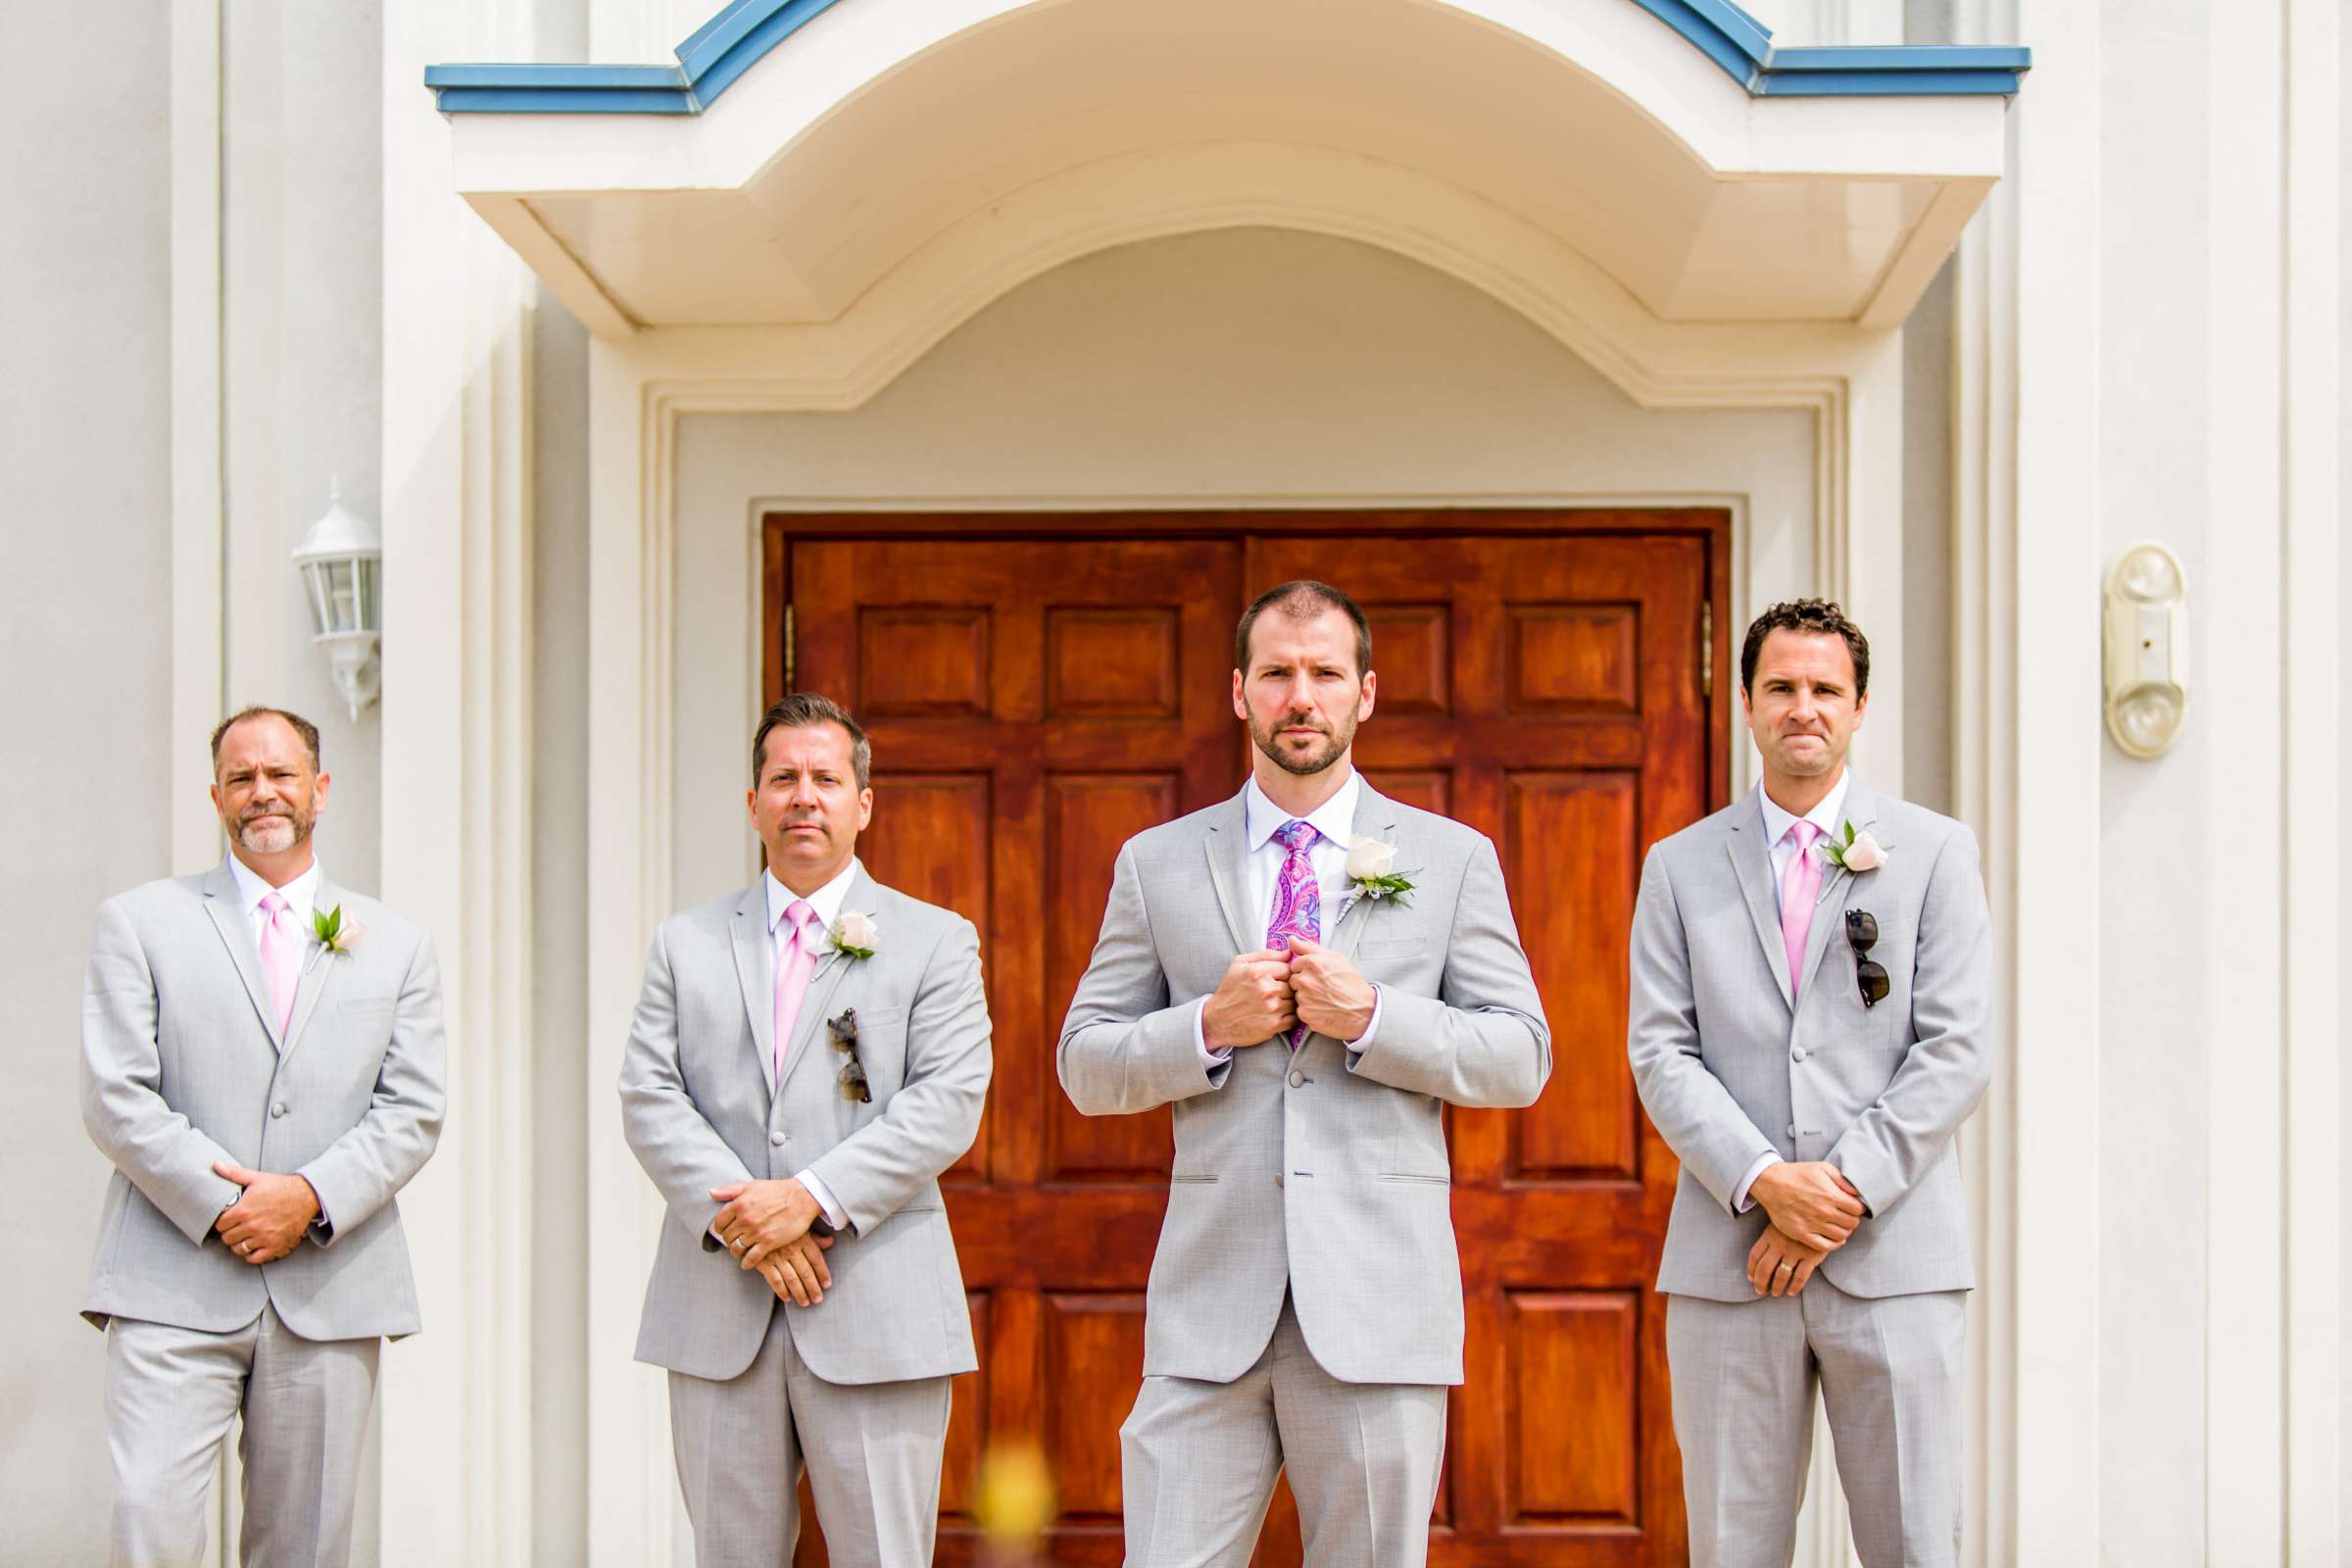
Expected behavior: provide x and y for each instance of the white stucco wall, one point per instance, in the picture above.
(1248, 366)
(83, 661)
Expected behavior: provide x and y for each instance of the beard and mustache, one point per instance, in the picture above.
(1335, 742)
(275, 828)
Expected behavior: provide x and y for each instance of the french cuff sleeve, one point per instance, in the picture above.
(1211, 1061)
(835, 1215)
(1741, 1203)
(1364, 1040)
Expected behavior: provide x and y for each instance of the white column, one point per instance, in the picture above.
(456, 786)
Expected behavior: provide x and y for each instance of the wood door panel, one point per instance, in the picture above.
(1088, 817)
(1569, 839)
(1037, 695)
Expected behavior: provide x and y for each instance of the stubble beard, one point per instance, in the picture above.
(1269, 743)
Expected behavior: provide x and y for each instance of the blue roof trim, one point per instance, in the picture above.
(745, 30)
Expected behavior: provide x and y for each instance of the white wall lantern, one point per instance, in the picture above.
(2147, 649)
(338, 559)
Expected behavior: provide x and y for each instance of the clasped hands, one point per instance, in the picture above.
(1814, 1209)
(1267, 992)
(765, 1227)
(268, 1218)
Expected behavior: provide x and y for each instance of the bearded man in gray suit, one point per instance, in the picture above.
(1305, 1300)
(808, 1056)
(1812, 989)
(262, 1059)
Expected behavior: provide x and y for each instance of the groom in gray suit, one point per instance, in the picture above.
(1812, 989)
(1306, 1303)
(808, 1056)
(261, 1060)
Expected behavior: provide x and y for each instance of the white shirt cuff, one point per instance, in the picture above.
(1211, 1060)
(1370, 1029)
(1741, 1202)
(834, 1214)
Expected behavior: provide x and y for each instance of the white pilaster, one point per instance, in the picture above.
(456, 783)
(2311, 814)
(2041, 577)
(196, 528)
(2239, 661)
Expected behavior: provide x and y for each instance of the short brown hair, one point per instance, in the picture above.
(303, 727)
(1815, 617)
(1302, 599)
(799, 710)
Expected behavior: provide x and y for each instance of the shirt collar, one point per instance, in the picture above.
(301, 894)
(1335, 818)
(1826, 815)
(825, 900)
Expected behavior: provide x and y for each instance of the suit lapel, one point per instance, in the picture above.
(222, 902)
(317, 966)
(831, 969)
(1751, 858)
(1227, 846)
(1829, 916)
(1375, 818)
(755, 970)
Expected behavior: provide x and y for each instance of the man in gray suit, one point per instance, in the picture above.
(1812, 986)
(261, 1060)
(807, 1058)
(1305, 1301)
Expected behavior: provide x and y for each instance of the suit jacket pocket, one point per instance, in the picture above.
(367, 1007)
(1389, 948)
(1208, 1176)
(1412, 1179)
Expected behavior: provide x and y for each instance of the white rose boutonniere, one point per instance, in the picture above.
(333, 935)
(1856, 851)
(855, 935)
(1372, 873)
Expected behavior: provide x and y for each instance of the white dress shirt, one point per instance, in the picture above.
(826, 902)
(1829, 816)
(1334, 821)
(301, 895)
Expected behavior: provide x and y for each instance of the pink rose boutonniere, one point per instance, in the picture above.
(1856, 851)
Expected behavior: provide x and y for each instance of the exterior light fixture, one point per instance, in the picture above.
(2147, 649)
(339, 560)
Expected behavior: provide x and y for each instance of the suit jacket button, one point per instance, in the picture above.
(775, 1140)
(1278, 1178)
(1792, 1129)
(1798, 1054)
(278, 1110)
(1298, 1078)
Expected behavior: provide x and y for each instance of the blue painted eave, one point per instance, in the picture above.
(731, 42)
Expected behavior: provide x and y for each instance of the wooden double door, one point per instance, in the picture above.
(1039, 689)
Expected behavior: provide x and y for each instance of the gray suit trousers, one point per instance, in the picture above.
(1198, 1462)
(1889, 1370)
(873, 1453)
(172, 1395)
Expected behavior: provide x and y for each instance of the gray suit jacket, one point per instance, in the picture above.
(699, 1112)
(1728, 1070)
(182, 1064)
(1322, 1172)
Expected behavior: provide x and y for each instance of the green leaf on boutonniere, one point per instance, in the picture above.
(327, 925)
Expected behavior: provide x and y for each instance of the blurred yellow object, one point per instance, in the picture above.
(1014, 1499)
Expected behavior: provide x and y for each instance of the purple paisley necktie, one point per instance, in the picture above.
(1297, 898)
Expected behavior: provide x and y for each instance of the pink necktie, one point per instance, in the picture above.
(1297, 898)
(1800, 890)
(277, 959)
(794, 967)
